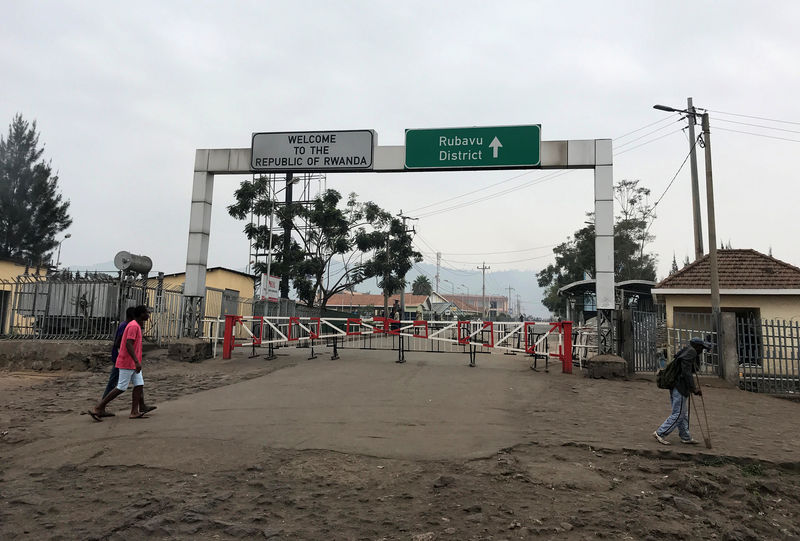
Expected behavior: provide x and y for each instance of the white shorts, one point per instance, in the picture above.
(127, 376)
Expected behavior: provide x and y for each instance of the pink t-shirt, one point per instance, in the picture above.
(132, 332)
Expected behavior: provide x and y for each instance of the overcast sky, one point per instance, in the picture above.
(125, 92)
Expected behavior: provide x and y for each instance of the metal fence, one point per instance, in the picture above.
(654, 342)
(90, 308)
(769, 355)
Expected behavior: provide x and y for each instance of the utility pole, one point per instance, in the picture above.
(712, 228)
(698, 220)
(386, 277)
(483, 268)
(438, 264)
(287, 237)
(403, 289)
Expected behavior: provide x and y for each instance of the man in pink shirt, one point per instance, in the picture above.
(129, 362)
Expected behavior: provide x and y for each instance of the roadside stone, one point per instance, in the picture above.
(741, 533)
(686, 505)
(156, 526)
(189, 350)
(475, 517)
(473, 509)
(665, 497)
(566, 526)
(443, 481)
(427, 536)
(449, 531)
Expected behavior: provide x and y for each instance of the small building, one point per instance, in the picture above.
(10, 270)
(441, 308)
(369, 305)
(228, 291)
(495, 304)
(751, 284)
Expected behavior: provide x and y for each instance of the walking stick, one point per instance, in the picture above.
(707, 433)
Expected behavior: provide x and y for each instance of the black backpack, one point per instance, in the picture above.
(667, 377)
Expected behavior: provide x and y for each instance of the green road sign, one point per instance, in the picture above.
(467, 148)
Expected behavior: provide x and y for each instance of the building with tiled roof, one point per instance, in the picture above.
(372, 305)
(431, 307)
(752, 284)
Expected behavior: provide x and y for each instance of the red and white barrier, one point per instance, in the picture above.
(512, 337)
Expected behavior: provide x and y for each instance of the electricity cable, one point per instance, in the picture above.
(755, 117)
(530, 172)
(758, 134)
(754, 125)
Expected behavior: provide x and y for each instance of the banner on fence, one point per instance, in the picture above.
(268, 290)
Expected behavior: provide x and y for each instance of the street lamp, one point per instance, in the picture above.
(712, 228)
(466, 288)
(58, 258)
(452, 288)
(691, 116)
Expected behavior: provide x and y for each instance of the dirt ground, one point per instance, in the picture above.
(364, 448)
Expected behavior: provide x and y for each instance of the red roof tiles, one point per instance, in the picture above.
(738, 269)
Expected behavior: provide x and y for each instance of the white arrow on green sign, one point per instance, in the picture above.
(499, 147)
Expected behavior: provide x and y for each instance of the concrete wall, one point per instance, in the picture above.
(54, 355)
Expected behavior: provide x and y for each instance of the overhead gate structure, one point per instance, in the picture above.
(357, 151)
(543, 341)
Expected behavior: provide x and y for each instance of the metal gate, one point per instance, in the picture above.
(645, 340)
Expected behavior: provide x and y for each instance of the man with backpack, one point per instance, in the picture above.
(680, 382)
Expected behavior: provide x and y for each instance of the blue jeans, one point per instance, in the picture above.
(113, 379)
(679, 417)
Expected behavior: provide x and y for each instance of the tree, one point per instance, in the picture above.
(393, 257)
(324, 240)
(421, 286)
(576, 256)
(32, 211)
(322, 234)
(674, 267)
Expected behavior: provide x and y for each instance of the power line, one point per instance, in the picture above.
(755, 117)
(540, 180)
(503, 252)
(499, 262)
(676, 173)
(754, 125)
(426, 243)
(653, 219)
(645, 135)
(473, 191)
(648, 142)
(646, 126)
(759, 134)
(437, 203)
